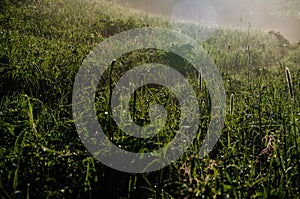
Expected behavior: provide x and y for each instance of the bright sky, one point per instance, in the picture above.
(259, 13)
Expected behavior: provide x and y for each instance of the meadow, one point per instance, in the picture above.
(43, 44)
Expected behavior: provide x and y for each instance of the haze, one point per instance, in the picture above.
(264, 14)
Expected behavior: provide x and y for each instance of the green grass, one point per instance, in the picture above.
(43, 44)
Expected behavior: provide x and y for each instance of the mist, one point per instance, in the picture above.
(262, 14)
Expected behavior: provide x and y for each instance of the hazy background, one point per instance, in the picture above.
(280, 15)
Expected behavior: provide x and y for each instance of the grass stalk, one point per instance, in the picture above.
(200, 81)
(110, 96)
(231, 104)
(250, 65)
(289, 82)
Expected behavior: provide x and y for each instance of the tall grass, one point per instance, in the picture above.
(43, 43)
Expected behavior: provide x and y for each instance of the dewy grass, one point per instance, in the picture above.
(43, 43)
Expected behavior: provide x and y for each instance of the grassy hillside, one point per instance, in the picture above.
(43, 44)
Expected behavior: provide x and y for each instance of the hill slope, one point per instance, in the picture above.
(43, 44)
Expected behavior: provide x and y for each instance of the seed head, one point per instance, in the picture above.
(231, 104)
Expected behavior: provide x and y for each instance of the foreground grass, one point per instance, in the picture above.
(43, 43)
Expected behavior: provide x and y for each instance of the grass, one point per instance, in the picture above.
(43, 44)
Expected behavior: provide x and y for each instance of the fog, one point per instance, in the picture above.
(263, 14)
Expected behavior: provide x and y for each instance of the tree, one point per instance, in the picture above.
(287, 8)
